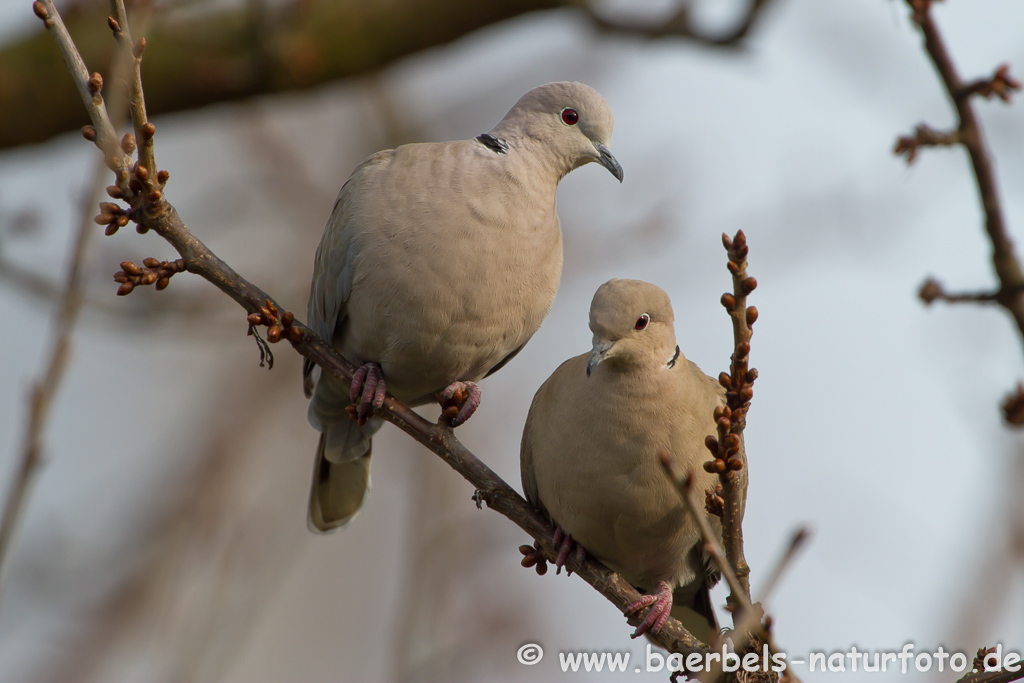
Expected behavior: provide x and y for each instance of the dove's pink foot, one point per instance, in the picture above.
(368, 390)
(661, 605)
(464, 394)
(564, 543)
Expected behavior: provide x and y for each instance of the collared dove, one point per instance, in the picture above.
(590, 455)
(437, 265)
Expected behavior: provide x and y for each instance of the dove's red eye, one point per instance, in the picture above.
(570, 117)
(642, 321)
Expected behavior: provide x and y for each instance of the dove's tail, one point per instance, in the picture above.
(695, 612)
(339, 489)
(341, 475)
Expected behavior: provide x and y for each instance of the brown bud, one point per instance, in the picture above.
(720, 465)
(163, 177)
(135, 185)
(155, 196)
(287, 318)
(131, 268)
(742, 251)
(295, 334)
(733, 267)
(732, 441)
(724, 423)
(529, 560)
(114, 26)
(709, 467)
(747, 392)
(254, 319)
(719, 412)
(40, 10)
(743, 349)
(95, 83)
(122, 220)
(162, 283)
(751, 375)
(749, 285)
(126, 288)
(526, 549)
(89, 133)
(726, 241)
(265, 312)
(542, 568)
(729, 301)
(736, 465)
(930, 291)
(141, 172)
(128, 143)
(119, 276)
(112, 228)
(103, 218)
(740, 239)
(711, 443)
(274, 334)
(140, 45)
(150, 262)
(110, 207)
(148, 131)
(114, 192)
(751, 314)
(149, 278)
(271, 305)
(724, 379)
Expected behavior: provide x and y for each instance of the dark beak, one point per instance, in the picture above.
(608, 161)
(600, 352)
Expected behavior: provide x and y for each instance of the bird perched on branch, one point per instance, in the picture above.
(591, 452)
(437, 265)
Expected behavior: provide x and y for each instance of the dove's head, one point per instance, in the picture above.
(570, 120)
(633, 328)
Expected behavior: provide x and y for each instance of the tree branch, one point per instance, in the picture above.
(968, 133)
(150, 210)
(45, 388)
(679, 25)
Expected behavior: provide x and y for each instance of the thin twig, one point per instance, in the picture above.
(795, 543)
(152, 211)
(45, 388)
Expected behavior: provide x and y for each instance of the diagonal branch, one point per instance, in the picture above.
(45, 388)
(150, 210)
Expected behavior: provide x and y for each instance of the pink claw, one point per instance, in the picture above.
(661, 602)
(368, 389)
(566, 544)
(470, 402)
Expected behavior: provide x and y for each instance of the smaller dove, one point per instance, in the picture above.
(590, 455)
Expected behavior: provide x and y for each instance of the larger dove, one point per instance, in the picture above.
(437, 265)
(590, 454)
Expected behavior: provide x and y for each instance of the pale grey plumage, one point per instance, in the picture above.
(439, 262)
(590, 450)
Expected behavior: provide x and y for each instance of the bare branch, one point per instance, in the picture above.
(730, 458)
(968, 133)
(45, 388)
(679, 25)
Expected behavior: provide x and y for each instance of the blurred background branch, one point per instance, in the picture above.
(203, 53)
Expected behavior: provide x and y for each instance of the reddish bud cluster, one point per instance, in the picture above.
(738, 382)
(152, 272)
(924, 136)
(713, 501)
(280, 324)
(95, 84)
(533, 557)
(1000, 85)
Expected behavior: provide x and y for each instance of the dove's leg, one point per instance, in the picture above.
(368, 390)
(465, 395)
(565, 544)
(661, 602)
